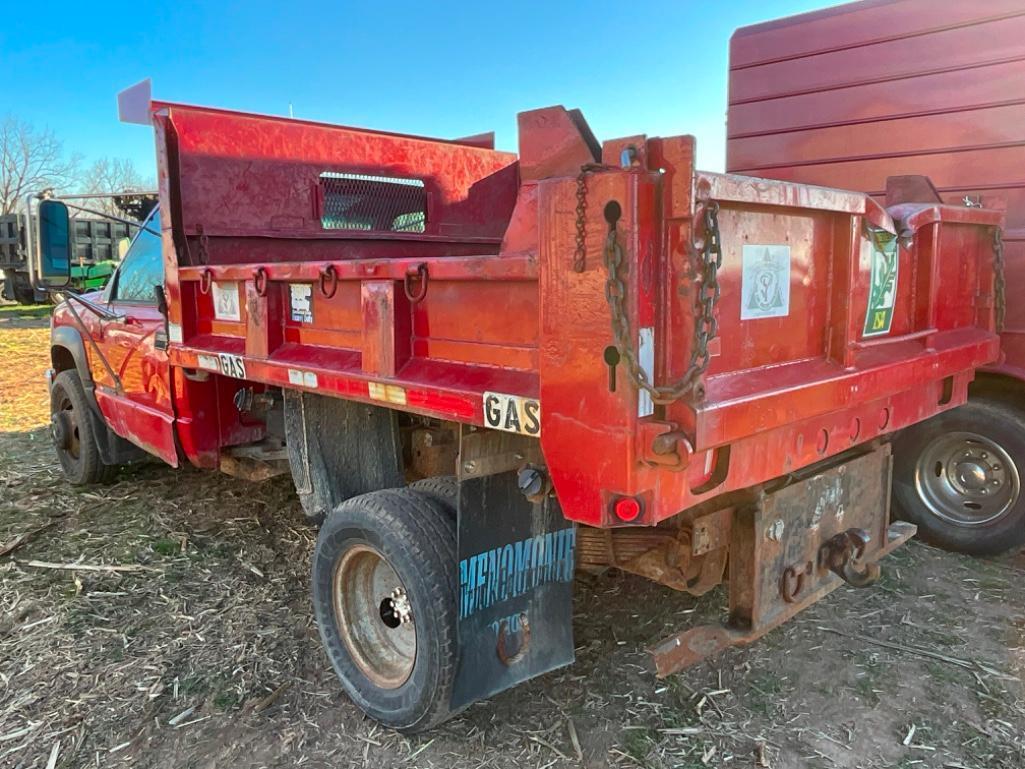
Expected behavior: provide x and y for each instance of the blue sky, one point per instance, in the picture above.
(434, 68)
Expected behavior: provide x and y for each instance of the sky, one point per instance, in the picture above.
(439, 68)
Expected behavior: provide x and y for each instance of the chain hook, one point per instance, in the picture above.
(328, 277)
(205, 280)
(260, 281)
(421, 274)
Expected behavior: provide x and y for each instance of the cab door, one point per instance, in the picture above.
(138, 406)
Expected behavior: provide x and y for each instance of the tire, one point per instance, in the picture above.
(71, 430)
(443, 489)
(958, 477)
(384, 596)
(23, 294)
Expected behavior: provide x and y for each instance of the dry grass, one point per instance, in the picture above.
(200, 652)
(24, 356)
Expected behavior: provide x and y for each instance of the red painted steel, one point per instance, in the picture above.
(487, 299)
(853, 94)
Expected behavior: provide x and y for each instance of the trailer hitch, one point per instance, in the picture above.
(843, 555)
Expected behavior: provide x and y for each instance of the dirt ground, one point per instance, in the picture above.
(188, 642)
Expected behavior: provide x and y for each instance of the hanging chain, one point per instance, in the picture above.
(705, 324)
(580, 255)
(999, 284)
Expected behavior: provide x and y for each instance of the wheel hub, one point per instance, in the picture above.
(374, 615)
(967, 479)
(61, 429)
(972, 476)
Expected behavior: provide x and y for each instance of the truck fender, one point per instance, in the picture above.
(65, 341)
(68, 347)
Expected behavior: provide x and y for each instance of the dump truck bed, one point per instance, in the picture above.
(449, 280)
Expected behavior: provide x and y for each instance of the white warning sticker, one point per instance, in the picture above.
(300, 299)
(226, 306)
(302, 378)
(208, 362)
(765, 282)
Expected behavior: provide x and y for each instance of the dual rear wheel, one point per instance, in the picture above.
(384, 595)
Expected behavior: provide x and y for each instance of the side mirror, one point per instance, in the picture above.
(54, 244)
(158, 292)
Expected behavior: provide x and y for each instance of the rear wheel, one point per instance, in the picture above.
(443, 489)
(384, 595)
(958, 477)
(72, 432)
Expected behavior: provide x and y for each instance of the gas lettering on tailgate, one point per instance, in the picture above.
(512, 413)
(232, 365)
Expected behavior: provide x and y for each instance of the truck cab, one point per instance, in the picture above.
(109, 359)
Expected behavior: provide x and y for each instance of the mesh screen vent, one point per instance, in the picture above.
(372, 203)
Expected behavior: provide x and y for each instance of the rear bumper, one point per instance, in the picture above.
(794, 546)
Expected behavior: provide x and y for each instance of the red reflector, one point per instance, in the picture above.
(626, 508)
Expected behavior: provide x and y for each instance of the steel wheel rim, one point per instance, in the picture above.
(967, 479)
(374, 616)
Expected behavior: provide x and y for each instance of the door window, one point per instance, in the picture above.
(143, 266)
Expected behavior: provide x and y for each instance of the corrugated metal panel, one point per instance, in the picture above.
(950, 91)
(850, 95)
(986, 42)
(857, 24)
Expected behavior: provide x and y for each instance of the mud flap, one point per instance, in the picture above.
(516, 562)
(339, 449)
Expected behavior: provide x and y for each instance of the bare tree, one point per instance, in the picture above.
(113, 175)
(30, 160)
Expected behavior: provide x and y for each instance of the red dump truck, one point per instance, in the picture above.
(485, 370)
(912, 101)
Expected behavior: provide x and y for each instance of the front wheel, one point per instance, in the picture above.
(384, 594)
(958, 477)
(72, 432)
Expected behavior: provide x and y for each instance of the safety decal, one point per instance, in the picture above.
(300, 302)
(512, 413)
(208, 362)
(226, 301)
(302, 378)
(765, 282)
(882, 295)
(387, 392)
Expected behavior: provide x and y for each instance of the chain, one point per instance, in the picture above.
(705, 324)
(999, 284)
(580, 256)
